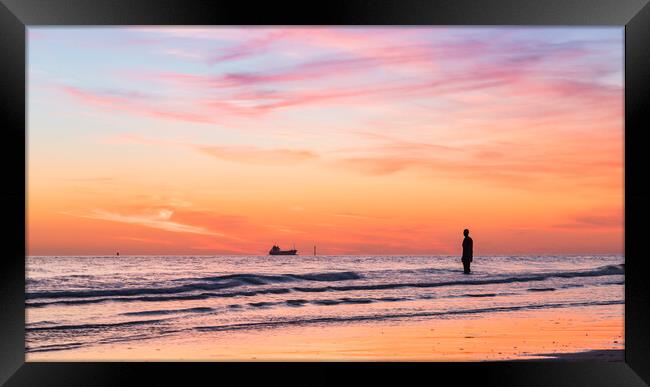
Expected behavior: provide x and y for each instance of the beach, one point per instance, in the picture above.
(325, 309)
(540, 335)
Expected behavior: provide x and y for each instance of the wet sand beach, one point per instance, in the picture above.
(580, 334)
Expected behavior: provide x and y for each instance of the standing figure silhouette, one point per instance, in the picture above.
(468, 251)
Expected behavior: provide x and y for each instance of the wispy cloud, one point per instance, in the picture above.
(515, 162)
(234, 153)
(492, 168)
(379, 65)
(253, 46)
(132, 103)
(253, 155)
(160, 220)
(597, 219)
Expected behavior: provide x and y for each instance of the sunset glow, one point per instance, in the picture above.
(152, 140)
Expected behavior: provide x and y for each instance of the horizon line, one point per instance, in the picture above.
(324, 255)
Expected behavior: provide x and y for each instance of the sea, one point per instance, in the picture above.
(75, 302)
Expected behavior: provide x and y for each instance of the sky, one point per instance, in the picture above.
(226, 140)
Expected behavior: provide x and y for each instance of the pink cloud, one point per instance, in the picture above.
(512, 68)
(133, 104)
(254, 46)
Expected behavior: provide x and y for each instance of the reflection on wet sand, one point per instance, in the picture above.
(520, 335)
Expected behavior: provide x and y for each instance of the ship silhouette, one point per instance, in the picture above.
(275, 250)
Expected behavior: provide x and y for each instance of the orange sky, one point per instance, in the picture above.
(359, 141)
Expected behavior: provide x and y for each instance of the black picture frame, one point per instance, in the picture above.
(16, 15)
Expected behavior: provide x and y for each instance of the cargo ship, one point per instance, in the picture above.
(275, 250)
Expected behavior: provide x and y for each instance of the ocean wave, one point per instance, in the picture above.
(321, 302)
(111, 340)
(204, 283)
(170, 311)
(54, 347)
(260, 279)
(542, 289)
(601, 271)
(127, 291)
(113, 296)
(480, 295)
(300, 302)
(93, 326)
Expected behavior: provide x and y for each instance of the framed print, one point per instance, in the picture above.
(382, 189)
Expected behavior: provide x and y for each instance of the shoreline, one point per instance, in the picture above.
(577, 334)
